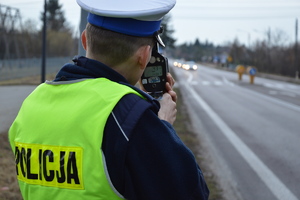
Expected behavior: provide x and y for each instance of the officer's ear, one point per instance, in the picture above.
(83, 39)
(144, 55)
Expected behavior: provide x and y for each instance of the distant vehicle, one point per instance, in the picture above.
(175, 63)
(178, 63)
(190, 65)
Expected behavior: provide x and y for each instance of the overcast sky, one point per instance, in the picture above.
(217, 21)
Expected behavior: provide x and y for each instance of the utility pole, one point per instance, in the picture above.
(10, 23)
(43, 71)
(269, 48)
(297, 67)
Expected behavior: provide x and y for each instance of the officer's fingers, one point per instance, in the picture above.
(171, 92)
(168, 87)
(170, 79)
(173, 95)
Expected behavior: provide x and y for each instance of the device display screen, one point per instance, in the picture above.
(153, 71)
(154, 79)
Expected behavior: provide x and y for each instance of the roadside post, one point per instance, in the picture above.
(240, 69)
(252, 72)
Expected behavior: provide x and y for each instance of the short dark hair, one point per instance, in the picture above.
(115, 47)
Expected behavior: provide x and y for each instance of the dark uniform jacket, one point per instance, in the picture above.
(145, 158)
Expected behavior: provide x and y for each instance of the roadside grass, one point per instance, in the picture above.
(183, 128)
(9, 189)
(28, 80)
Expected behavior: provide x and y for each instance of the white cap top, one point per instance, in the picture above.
(145, 10)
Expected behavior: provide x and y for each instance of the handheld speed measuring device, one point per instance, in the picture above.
(154, 77)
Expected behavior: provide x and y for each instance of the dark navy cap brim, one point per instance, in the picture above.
(126, 26)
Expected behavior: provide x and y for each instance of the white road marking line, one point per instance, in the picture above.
(190, 78)
(206, 83)
(218, 83)
(290, 94)
(265, 174)
(269, 85)
(272, 99)
(290, 88)
(227, 82)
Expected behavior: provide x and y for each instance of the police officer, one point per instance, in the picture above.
(90, 134)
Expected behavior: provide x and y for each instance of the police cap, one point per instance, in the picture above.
(140, 18)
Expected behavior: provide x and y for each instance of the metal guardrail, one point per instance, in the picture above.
(18, 68)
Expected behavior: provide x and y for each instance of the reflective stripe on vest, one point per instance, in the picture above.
(57, 139)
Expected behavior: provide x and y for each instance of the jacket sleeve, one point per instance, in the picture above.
(159, 165)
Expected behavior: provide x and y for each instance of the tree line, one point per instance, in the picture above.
(25, 41)
(270, 55)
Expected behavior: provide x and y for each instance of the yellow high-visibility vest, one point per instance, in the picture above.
(57, 139)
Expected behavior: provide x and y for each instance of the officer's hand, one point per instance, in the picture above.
(168, 109)
(170, 79)
(169, 87)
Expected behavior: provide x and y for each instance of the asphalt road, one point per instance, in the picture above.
(251, 131)
(11, 98)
